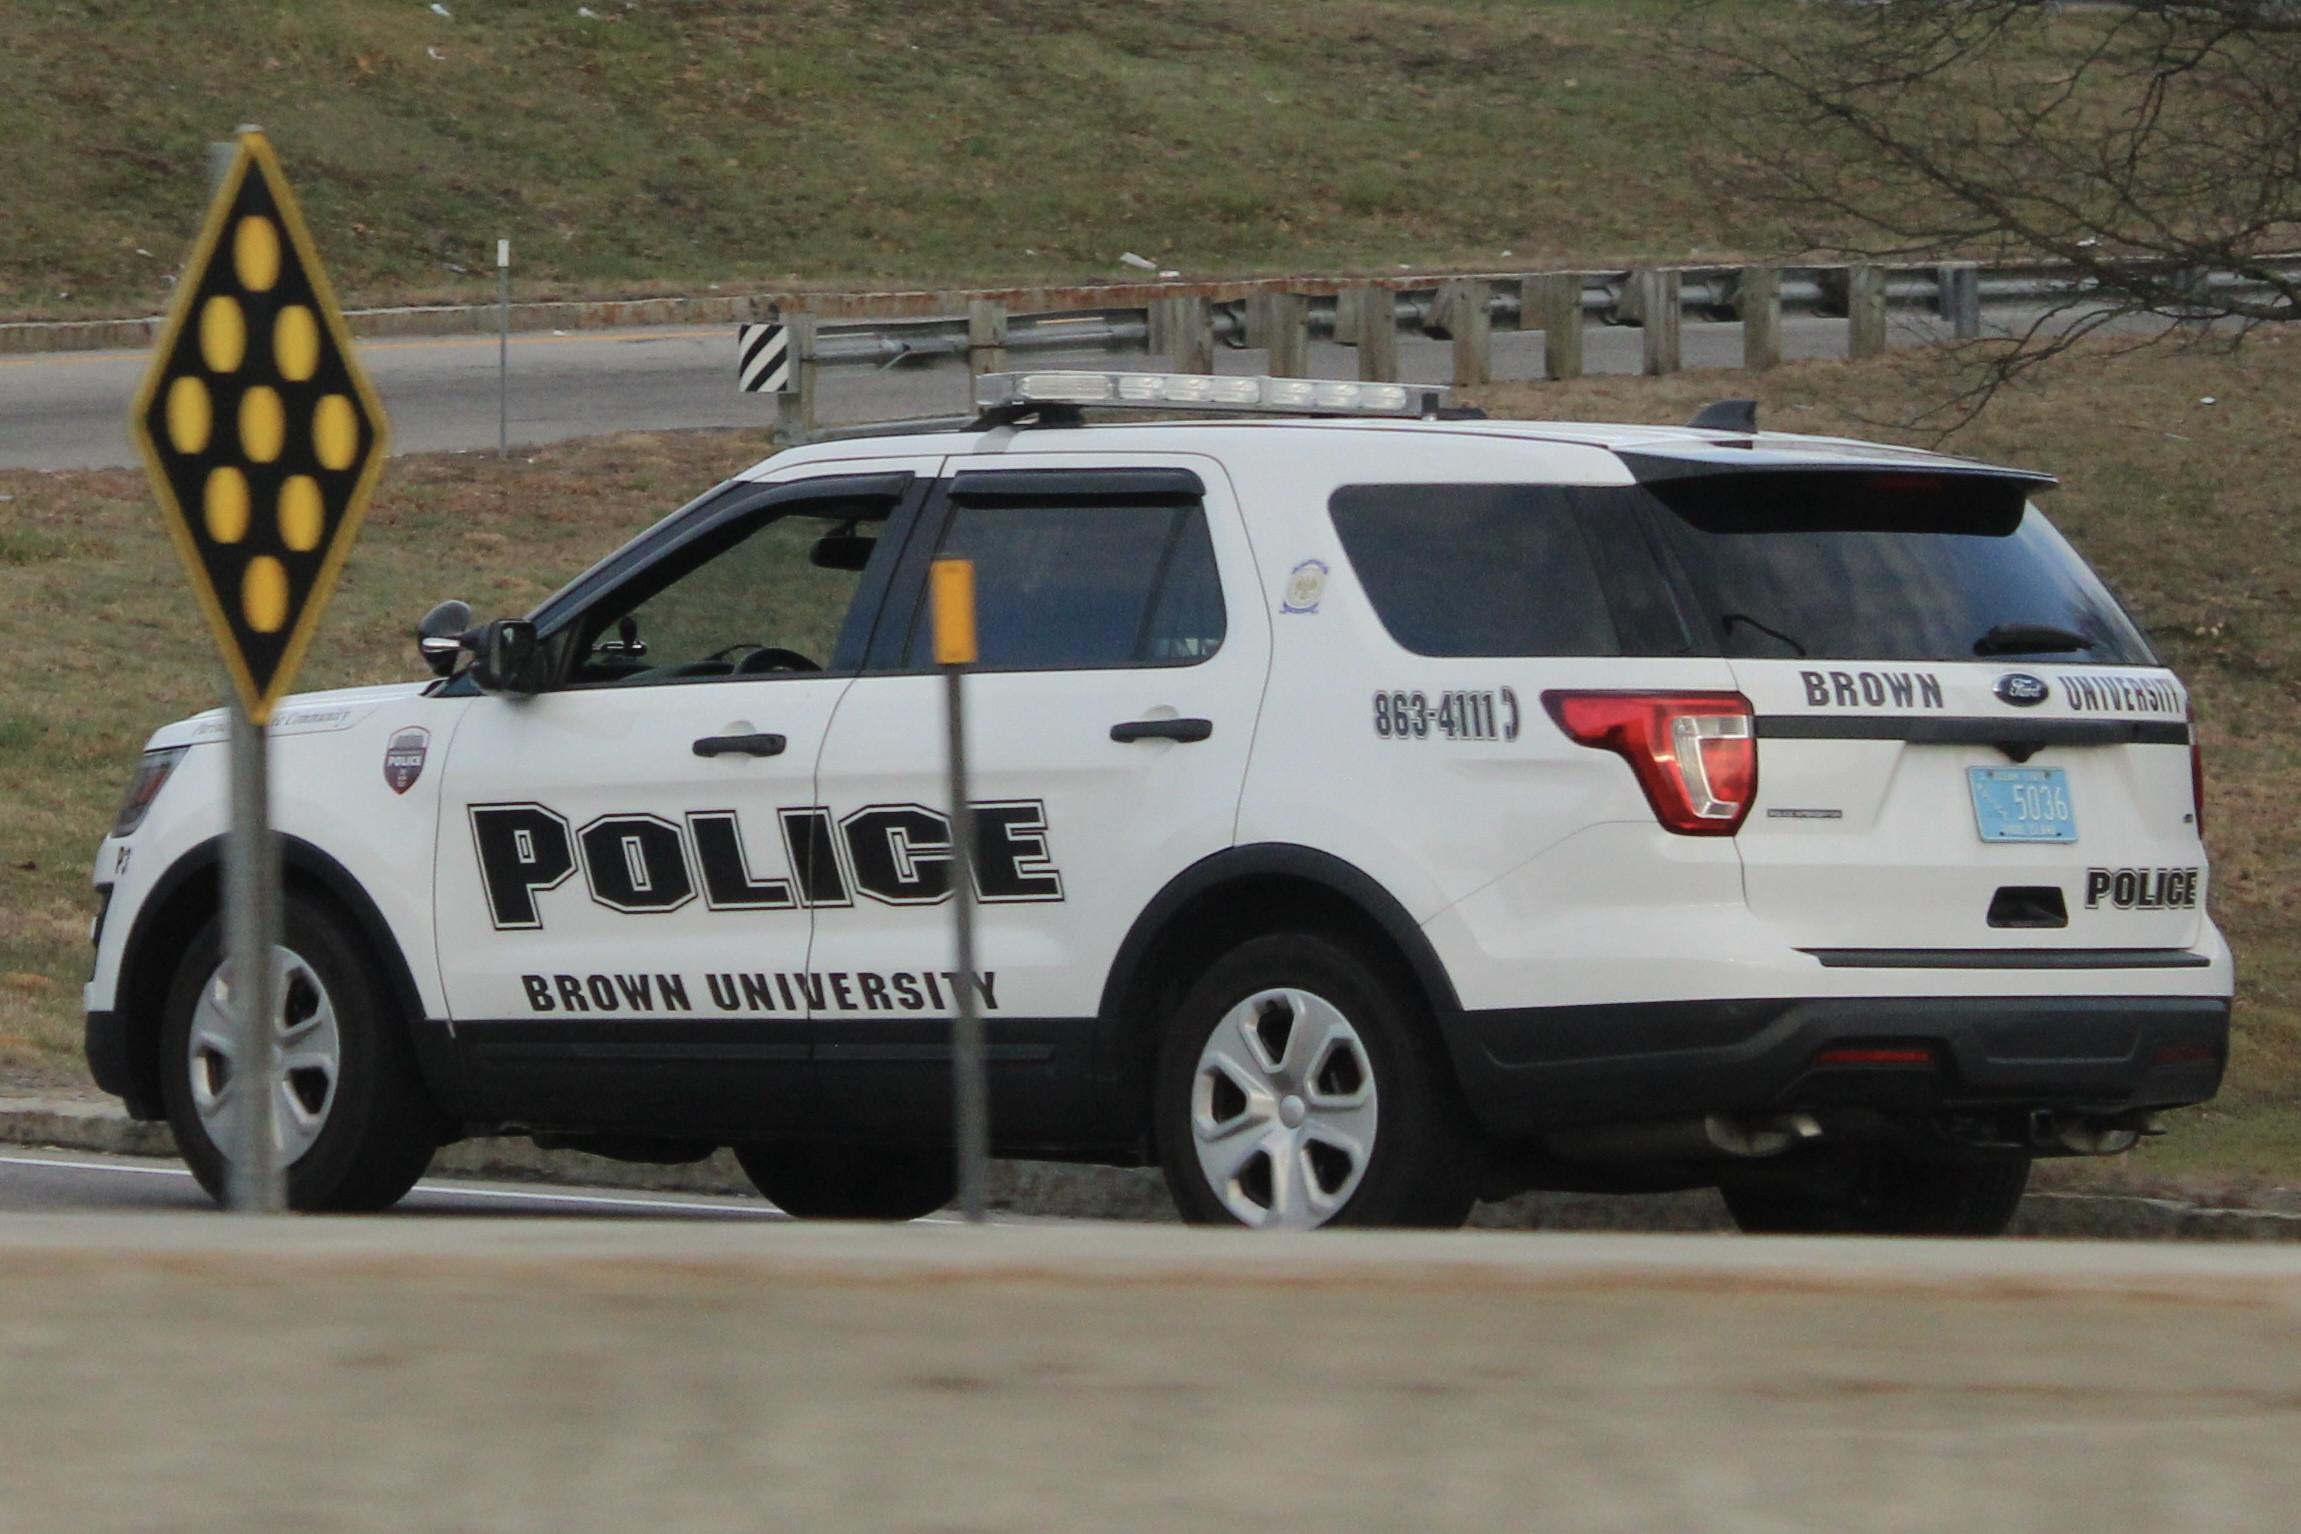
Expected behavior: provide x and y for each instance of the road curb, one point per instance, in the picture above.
(1138, 1194)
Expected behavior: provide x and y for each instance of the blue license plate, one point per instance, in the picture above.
(2022, 804)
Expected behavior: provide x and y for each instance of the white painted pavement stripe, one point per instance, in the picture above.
(429, 1185)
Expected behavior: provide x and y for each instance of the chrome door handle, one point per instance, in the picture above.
(740, 745)
(1185, 730)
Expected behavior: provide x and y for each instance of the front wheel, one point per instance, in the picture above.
(1887, 1194)
(1298, 1087)
(351, 1122)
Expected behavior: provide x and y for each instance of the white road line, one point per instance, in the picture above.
(95, 1166)
(607, 1201)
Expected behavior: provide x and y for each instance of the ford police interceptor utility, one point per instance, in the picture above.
(1373, 815)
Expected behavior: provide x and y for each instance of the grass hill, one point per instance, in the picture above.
(629, 146)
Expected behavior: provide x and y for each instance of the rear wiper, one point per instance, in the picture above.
(2029, 639)
(1730, 619)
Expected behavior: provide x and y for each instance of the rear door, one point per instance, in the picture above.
(1123, 653)
(1964, 742)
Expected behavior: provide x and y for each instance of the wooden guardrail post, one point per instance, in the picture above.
(1156, 315)
(1865, 312)
(1462, 310)
(1758, 297)
(1377, 335)
(1553, 301)
(1286, 333)
(1960, 285)
(1660, 299)
(795, 411)
(1190, 335)
(1346, 317)
(986, 337)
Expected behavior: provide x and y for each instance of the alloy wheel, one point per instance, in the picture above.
(1283, 1110)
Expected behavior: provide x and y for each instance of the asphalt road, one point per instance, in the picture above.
(67, 410)
(80, 1182)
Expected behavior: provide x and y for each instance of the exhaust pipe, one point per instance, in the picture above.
(1736, 1137)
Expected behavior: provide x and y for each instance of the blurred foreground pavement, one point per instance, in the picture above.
(195, 1373)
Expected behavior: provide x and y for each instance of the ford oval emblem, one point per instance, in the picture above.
(2022, 690)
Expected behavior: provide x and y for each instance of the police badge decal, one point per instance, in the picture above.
(403, 758)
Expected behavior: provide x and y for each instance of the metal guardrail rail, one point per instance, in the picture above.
(1186, 323)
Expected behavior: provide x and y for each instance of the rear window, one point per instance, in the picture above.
(1477, 569)
(1866, 566)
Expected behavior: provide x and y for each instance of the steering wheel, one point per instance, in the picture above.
(769, 657)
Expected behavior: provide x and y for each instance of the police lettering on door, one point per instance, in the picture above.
(644, 865)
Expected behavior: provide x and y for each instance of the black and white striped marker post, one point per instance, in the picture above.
(763, 360)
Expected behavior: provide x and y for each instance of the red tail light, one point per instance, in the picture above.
(1695, 753)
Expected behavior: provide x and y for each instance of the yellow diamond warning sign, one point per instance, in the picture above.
(262, 435)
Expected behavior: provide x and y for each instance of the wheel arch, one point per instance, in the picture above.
(1226, 899)
(183, 900)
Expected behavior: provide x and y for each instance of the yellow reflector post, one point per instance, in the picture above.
(952, 584)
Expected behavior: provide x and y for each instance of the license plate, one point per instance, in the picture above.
(2022, 804)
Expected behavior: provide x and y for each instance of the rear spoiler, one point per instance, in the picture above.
(1665, 461)
(1728, 488)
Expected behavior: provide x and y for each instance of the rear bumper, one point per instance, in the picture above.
(1531, 1069)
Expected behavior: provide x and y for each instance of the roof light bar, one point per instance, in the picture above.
(1201, 391)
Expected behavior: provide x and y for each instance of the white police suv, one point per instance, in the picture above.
(1373, 815)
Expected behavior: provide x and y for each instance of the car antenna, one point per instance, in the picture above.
(1728, 415)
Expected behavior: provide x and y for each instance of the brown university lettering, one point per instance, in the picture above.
(789, 993)
(1871, 689)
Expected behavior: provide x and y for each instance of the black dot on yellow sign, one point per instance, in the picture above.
(262, 435)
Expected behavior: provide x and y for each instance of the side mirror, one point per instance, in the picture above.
(841, 551)
(505, 657)
(439, 637)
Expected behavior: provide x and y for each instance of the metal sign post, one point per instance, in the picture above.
(953, 582)
(503, 348)
(263, 440)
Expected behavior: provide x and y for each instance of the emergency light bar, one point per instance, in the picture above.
(1201, 391)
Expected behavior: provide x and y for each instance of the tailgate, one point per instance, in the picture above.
(1871, 831)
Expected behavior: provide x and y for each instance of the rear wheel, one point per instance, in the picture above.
(1297, 1087)
(350, 1118)
(851, 1182)
(1888, 1194)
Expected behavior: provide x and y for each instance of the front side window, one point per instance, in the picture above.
(758, 598)
(1073, 585)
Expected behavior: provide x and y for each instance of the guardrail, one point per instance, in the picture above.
(1186, 323)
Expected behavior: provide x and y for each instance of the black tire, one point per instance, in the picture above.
(851, 1182)
(1887, 1194)
(1416, 1161)
(379, 1127)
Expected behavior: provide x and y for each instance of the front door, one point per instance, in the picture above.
(629, 861)
(1111, 597)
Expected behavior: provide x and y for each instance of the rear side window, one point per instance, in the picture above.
(1080, 584)
(1477, 569)
(1865, 566)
